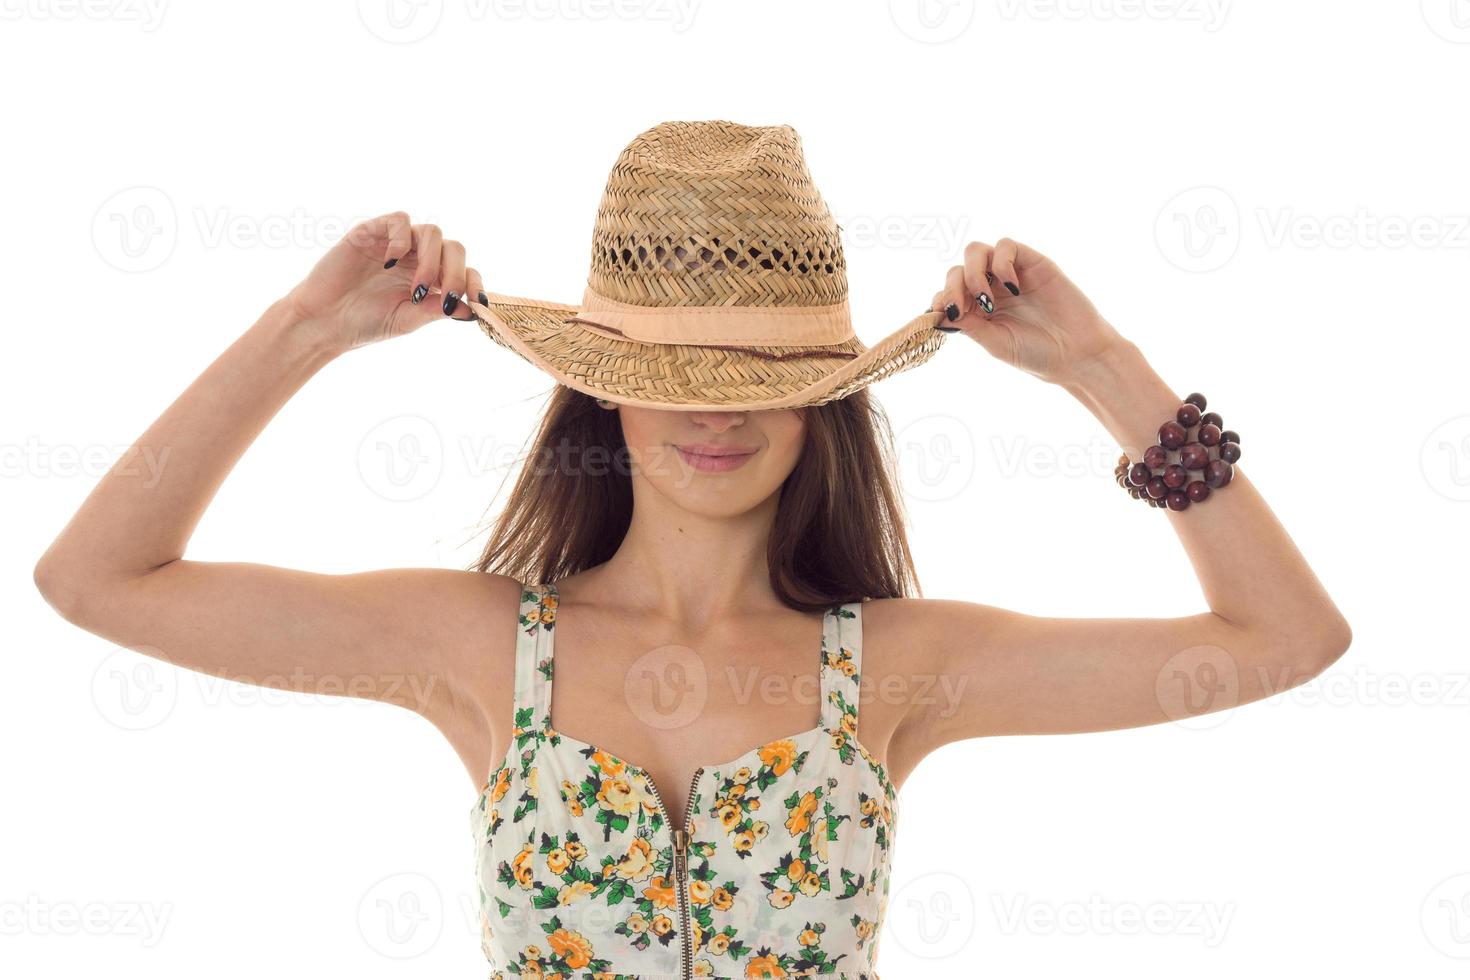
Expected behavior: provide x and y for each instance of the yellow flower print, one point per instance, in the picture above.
(533, 617)
(729, 815)
(608, 765)
(764, 968)
(638, 864)
(779, 755)
(801, 814)
(619, 796)
(703, 968)
(636, 923)
(550, 601)
(575, 891)
(502, 783)
(722, 899)
(700, 892)
(743, 774)
(780, 898)
(572, 947)
(662, 925)
(576, 850)
(532, 782)
(719, 944)
(811, 884)
(661, 894)
(808, 937)
(796, 869)
(522, 866)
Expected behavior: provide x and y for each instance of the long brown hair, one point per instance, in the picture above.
(839, 530)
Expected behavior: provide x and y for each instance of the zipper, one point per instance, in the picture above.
(681, 871)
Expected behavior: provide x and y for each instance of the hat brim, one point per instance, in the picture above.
(694, 377)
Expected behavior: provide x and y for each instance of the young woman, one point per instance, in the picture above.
(710, 500)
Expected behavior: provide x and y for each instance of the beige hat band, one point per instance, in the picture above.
(768, 326)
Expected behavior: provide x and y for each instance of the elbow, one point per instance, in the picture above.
(61, 588)
(1326, 644)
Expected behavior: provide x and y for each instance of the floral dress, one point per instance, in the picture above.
(779, 869)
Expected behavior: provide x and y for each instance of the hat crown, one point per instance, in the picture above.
(716, 213)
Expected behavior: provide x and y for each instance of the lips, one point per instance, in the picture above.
(714, 458)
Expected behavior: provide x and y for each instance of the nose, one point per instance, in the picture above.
(718, 421)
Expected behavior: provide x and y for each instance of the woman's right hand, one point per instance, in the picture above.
(385, 278)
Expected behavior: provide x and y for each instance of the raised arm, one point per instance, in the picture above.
(117, 569)
(1270, 624)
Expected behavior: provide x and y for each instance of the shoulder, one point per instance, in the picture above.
(912, 633)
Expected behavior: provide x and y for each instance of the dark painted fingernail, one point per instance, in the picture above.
(990, 277)
(464, 319)
(484, 300)
(985, 304)
(449, 302)
(390, 263)
(952, 312)
(940, 326)
(419, 292)
(1012, 287)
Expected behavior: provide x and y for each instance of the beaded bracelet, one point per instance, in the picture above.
(1167, 484)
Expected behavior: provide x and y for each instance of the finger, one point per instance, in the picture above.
(451, 277)
(956, 299)
(977, 285)
(427, 242)
(474, 286)
(1003, 263)
(398, 232)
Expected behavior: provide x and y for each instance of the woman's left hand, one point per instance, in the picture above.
(1038, 321)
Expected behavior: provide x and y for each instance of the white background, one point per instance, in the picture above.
(1268, 198)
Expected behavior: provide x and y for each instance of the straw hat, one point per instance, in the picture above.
(717, 283)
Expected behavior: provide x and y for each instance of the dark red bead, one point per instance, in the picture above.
(1197, 491)
(1230, 451)
(1156, 487)
(1193, 456)
(1155, 456)
(1172, 435)
(1187, 416)
(1230, 435)
(1208, 435)
(1138, 475)
(1177, 500)
(1212, 418)
(1197, 400)
(1218, 473)
(1175, 476)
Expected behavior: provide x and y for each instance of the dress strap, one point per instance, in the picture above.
(842, 659)
(534, 641)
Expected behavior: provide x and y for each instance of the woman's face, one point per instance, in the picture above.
(717, 464)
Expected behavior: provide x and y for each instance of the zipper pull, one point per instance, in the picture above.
(681, 846)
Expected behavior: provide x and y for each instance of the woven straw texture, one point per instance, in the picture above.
(704, 215)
